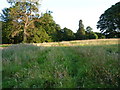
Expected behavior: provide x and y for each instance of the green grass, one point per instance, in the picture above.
(5, 45)
(28, 66)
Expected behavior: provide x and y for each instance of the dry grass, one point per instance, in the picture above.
(81, 42)
(73, 43)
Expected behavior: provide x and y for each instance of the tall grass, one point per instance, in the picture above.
(28, 66)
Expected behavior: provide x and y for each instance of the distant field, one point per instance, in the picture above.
(81, 42)
(75, 43)
(73, 64)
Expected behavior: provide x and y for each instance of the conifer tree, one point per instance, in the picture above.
(81, 31)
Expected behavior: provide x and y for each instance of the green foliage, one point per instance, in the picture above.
(88, 29)
(65, 34)
(45, 30)
(100, 35)
(50, 26)
(21, 16)
(6, 30)
(38, 35)
(27, 66)
(21, 23)
(5, 16)
(109, 22)
(90, 34)
(80, 35)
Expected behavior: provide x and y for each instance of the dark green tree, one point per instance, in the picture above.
(5, 16)
(6, 32)
(90, 34)
(81, 31)
(7, 26)
(88, 29)
(49, 25)
(38, 35)
(109, 23)
(100, 35)
(65, 34)
(22, 15)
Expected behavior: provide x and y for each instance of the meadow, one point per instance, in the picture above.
(73, 64)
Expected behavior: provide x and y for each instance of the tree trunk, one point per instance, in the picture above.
(24, 36)
(25, 33)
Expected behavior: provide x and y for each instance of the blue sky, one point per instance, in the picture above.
(67, 13)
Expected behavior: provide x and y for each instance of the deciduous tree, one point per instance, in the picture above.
(109, 22)
(90, 34)
(65, 34)
(22, 15)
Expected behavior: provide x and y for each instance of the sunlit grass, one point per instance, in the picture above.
(81, 42)
(4, 45)
(82, 66)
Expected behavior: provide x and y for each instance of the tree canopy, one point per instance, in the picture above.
(109, 22)
(90, 34)
(81, 31)
(22, 15)
(65, 34)
(23, 23)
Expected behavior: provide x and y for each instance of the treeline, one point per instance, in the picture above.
(22, 23)
(45, 31)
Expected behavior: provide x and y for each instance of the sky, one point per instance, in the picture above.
(67, 13)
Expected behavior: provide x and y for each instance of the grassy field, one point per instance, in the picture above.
(4, 45)
(92, 64)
